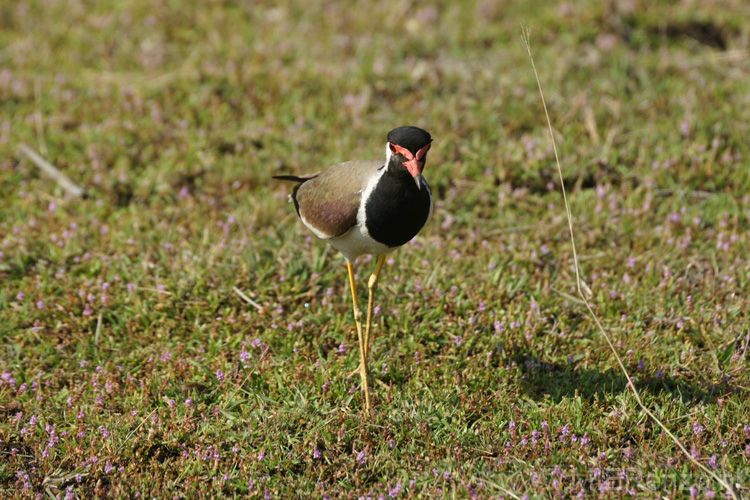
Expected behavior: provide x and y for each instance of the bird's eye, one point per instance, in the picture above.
(393, 148)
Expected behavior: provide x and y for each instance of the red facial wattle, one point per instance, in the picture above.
(414, 163)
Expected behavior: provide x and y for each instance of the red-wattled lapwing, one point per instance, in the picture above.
(368, 207)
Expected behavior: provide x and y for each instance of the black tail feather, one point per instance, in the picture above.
(295, 178)
(289, 178)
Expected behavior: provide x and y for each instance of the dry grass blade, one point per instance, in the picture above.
(247, 299)
(62, 180)
(525, 34)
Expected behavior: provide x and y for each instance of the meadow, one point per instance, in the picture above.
(177, 333)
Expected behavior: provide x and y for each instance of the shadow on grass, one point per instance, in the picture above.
(567, 380)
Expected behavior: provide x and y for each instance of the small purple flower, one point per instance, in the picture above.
(458, 340)
(40, 305)
(446, 475)
(261, 456)
(395, 491)
(316, 452)
(685, 128)
(342, 348)
(713, 462)
(697, 429)
(220, 375)
(362, 457)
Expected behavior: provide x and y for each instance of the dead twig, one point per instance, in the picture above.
(61, 179)
(525, 33)
(247, 299)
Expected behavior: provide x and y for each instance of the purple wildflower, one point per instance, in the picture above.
(697, 429)
(395, 491)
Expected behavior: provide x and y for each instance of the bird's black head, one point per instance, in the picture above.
(411, 138)
(408, 146)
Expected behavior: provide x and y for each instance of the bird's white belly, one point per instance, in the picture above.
(356, 243)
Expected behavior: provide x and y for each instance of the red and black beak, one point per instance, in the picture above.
(414, 163)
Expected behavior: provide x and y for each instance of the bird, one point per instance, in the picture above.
(368, 207)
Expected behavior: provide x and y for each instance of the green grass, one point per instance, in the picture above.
(174, 119)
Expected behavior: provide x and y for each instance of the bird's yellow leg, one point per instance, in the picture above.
(372, 285)
(362, 344)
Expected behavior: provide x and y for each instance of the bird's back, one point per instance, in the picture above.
(328, 203)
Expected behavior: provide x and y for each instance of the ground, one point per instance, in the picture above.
(132, 366)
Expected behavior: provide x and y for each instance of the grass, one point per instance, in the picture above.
(130, 366)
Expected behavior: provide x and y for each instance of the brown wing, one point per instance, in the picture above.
(328, 203)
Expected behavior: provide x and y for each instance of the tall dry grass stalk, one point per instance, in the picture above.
(525, 35)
